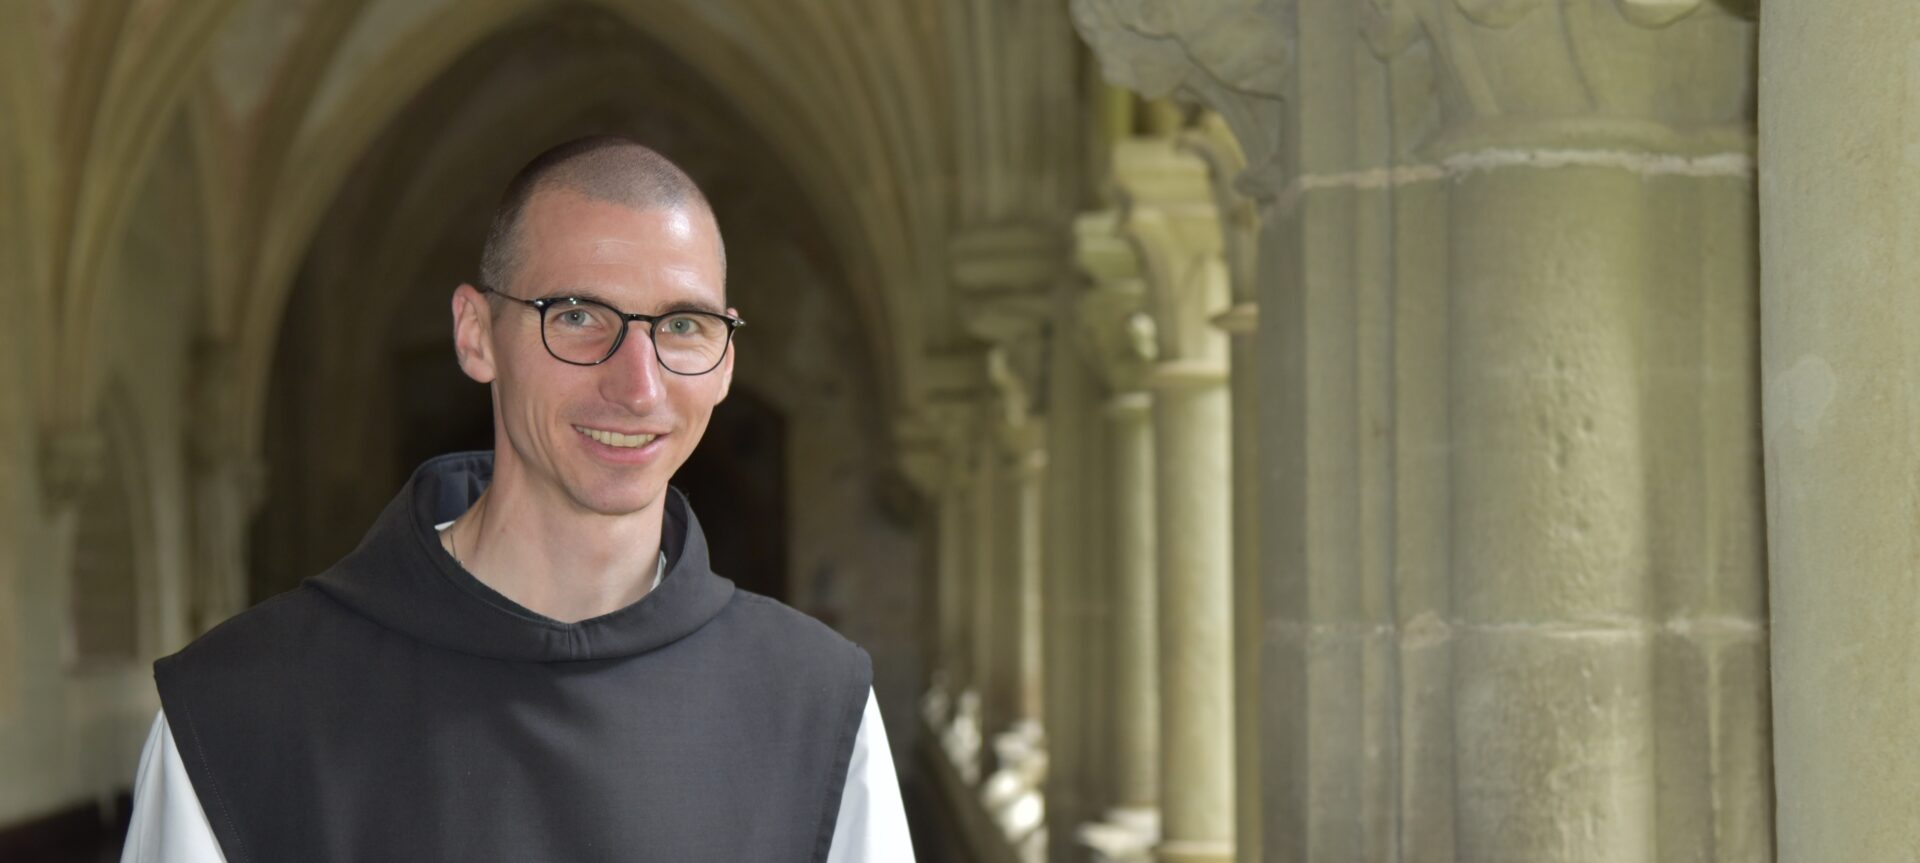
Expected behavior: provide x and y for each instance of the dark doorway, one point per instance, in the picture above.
(736, 481)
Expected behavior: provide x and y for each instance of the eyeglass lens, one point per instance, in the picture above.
(584, 332)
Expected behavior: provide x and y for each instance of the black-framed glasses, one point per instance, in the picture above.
(585, 332)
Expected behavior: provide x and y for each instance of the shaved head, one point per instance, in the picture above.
(602, 167)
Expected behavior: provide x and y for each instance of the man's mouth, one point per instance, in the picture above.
(614, 438)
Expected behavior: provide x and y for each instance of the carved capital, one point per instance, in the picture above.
(1112, 327)
(1233, 56)
(933, 444)
(1002, 276)
(1639, 74)
(1174, 223)
(1213, 142)
(1012, 383)
(1203, 50)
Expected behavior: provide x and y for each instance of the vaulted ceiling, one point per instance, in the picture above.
(907, 125)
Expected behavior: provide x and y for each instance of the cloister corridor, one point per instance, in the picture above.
(1267, 431)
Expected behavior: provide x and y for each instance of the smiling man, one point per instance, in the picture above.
(527, 658)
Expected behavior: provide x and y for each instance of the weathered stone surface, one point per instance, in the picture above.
(1840, 171)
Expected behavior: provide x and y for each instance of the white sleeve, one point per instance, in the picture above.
(872, 827)
(168, 824)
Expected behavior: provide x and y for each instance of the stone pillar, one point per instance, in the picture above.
(1839, 178)
(947, 468)
(1506, 430)
(988, 685)
(1550, 561)
(1595, 653)
(1025, 472)
(931, 448)
(227, 489)
(1213, 142)
(227, 484)
(1014, 794)
(1136, 691)
(1119, 340)
(1077, 600)
(952, 633)
(1004, 275)
(1173, 222)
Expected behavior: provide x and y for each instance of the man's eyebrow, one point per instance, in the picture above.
(690, 306)
(682, 305)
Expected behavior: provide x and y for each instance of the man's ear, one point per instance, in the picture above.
(726, 363)
(473, 333)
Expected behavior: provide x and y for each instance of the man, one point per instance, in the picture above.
(527, 658)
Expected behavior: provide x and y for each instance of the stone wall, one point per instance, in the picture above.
(71, 726)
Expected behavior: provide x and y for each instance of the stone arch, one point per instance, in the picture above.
(150, 59)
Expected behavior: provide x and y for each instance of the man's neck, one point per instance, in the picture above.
(554, 560)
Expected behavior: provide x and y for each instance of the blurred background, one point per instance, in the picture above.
(1286, 430)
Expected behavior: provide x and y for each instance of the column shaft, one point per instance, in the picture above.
(1026, 487)
(1195, 541)
(1248, 616)
(954, 616)
(986, 679)
(1135, 634)
(1553, 664)
(225, 491)
(1840, 246)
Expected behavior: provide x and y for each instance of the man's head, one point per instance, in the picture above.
(604, 219)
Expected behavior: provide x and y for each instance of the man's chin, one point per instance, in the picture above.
(621, 501)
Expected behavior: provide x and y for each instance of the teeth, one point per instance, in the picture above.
(616, 438)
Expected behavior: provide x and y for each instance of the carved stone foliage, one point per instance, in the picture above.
(1625, 73)
(1234, 56)
(1113, 329)
(1207, 48)
(1602, 71)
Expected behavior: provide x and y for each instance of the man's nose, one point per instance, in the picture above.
(632, 376)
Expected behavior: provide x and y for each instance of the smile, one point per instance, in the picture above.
(612, 438)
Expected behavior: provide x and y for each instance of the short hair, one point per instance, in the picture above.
(607, 168)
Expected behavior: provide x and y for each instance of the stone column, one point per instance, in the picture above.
(1840, 248)
(961, 737)
(1119, 340)
(932, 457)
(228, 484)
(988, 683)
(1173, 222)
(1511, 594)
(1025, 472)
(1136, 691)
(1213, 142)
(1014, 793)
(952, 634)
(1077, 600)
(1003, 275)
(1590, 645)
(227, 489)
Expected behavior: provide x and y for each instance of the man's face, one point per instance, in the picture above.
(647, 261)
